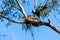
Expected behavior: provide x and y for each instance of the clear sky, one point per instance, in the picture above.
(16, 32)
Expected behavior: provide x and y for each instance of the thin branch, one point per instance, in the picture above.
(34, 3)
(14, 6)
(1, 15)
(51, 26)
(21, 8)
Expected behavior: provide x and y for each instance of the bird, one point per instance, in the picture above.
(37, 11)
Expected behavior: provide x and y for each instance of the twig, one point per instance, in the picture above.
(34, 3)
(21, 8)
(1, 15)
(14, 6)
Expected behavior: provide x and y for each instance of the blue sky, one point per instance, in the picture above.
(15, 31)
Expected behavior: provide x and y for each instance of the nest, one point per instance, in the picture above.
(32, 21)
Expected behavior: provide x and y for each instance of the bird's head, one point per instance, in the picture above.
(34, 11)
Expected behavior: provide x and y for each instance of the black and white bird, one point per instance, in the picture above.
(39, 9)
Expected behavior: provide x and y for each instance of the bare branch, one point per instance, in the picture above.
(1, 15)
(21, 8)
(51, 26)
(34, 3)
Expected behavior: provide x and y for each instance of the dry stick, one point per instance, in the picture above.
(21, 8)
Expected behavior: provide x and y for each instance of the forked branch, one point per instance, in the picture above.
(33, 21)
(21, 8)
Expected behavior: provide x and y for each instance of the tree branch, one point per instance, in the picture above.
(34, 3)
(1, 15)
(51, 26)
(14, 6)
(37, 23)
(33, 21)
(21, 8)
